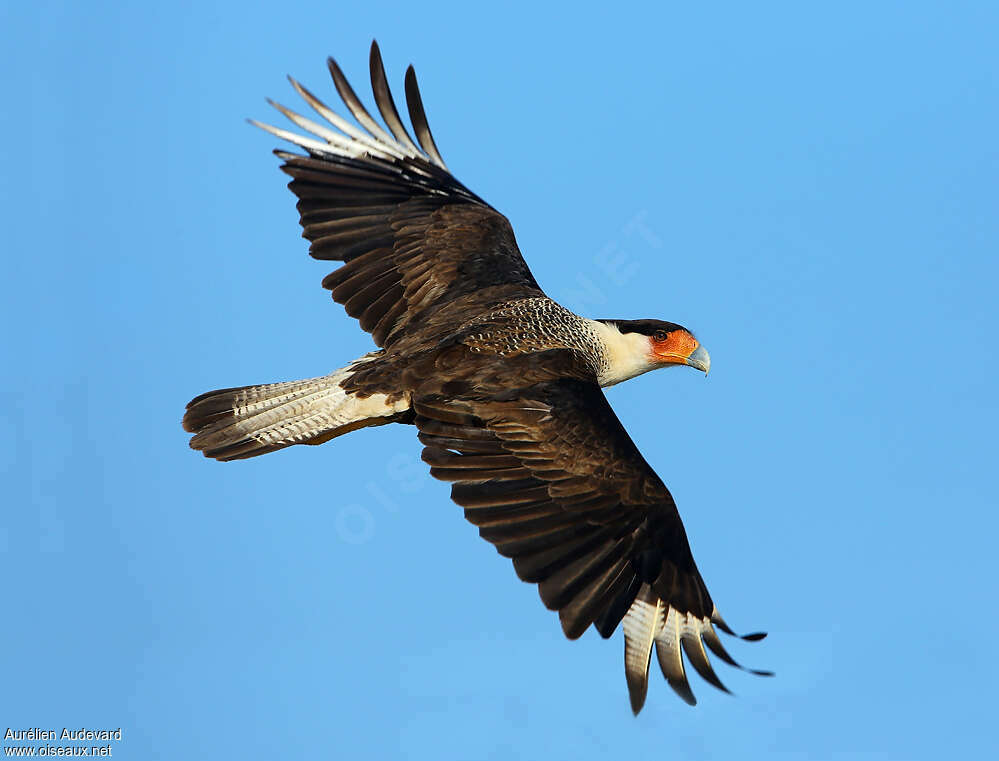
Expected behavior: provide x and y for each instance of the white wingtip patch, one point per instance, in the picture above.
(640, 624)
(650, 621)
(345, 139)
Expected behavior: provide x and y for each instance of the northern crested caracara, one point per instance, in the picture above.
(502, 383)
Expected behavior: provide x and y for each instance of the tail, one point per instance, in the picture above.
(236, 423)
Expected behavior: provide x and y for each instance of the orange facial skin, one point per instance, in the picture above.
(674, 348)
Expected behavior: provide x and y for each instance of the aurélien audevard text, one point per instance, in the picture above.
(77, 735)
(72, 742)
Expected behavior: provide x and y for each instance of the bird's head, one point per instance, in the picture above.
(668, 343)
(637, 346)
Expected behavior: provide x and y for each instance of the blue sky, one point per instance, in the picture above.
(812, 191)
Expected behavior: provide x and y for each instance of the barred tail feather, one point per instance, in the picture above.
(236, 423)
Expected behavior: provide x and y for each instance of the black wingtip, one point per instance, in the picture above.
(383, 99)
(334, 67)
(418, 118)
(718, 621)
(687, 696)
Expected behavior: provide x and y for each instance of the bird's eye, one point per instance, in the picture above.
(660, 335)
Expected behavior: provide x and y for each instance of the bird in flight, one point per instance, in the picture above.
(502, 383)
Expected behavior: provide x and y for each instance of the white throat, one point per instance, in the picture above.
(625, 355)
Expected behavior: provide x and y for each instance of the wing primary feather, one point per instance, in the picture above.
(670, 659)
(640, 624)
(718, 621)
(312, 146)
(690, 639)
(714, 644)
(384, 101)
(357, 108)
(343, 143)
(342, 124)
(414, 102)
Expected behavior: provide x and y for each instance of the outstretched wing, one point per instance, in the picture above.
(410, 235)
(552, 479)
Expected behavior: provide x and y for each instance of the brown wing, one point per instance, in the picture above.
(552, 479)
(410, 235)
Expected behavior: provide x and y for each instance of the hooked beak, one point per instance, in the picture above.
(681, 348)
(700, 359)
